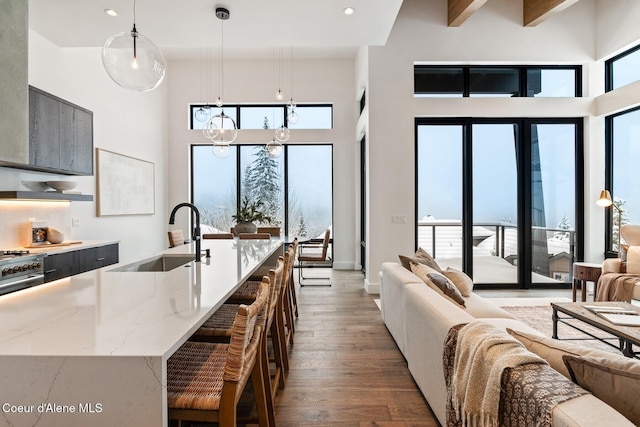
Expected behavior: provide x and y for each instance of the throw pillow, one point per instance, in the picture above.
(461, 280)
(420, 257)
(437, 282)
(552, 350)
(623, 258)
(633, 260)
(615, 381)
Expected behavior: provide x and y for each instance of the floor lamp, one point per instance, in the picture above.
(605, 201)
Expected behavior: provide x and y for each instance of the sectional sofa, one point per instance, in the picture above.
(419, 319)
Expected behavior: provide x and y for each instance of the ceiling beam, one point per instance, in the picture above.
(536, 11)
(460, 10)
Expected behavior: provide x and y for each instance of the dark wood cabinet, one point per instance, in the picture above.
(57, 266)
(60, 135)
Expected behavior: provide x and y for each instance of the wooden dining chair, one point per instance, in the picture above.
(254, 236)
(176, 238)
(314, 253)
(205, 380)
(273, 231)
(217, 236)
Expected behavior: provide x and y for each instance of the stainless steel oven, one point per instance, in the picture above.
(20, 270)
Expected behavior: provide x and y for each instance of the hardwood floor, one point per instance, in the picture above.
(345, 368)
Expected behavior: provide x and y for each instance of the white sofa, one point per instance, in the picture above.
(419, 320)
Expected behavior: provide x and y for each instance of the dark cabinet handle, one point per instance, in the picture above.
(100, 259)
(50, 271)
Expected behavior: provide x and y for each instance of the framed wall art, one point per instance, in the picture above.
(126, 185)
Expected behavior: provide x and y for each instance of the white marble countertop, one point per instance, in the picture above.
(56, 249)
(105, 313)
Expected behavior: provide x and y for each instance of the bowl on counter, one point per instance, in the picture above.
(62, 185)
(54, 236)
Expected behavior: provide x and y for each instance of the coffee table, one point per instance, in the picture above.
(628, 336)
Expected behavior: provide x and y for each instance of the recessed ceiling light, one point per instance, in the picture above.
(111, 12)
(348, 10)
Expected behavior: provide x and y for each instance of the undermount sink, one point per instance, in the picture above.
(158, 263)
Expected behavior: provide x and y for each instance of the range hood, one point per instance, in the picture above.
(14, 85)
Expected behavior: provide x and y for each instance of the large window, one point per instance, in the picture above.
(622, 69)
(497, 81)
(498, 198)
(622, 179)
(295, 188)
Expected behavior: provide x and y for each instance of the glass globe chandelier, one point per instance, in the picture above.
(132, 60)
(274, 148)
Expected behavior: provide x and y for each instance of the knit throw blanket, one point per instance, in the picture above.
(482, 353)
(530, 392)
(616, 287)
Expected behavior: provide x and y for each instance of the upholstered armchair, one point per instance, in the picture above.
(621, 276)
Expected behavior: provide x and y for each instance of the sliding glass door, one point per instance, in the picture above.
(439, 193)
(553, 195)
(495, 203)
(498, 198)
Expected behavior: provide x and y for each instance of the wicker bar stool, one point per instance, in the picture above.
(217, 329)
(292, 285)
(288, 327)
(205, 380)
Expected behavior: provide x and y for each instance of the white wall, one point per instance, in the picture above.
(125, 122)
(315, 81)
(494, 34)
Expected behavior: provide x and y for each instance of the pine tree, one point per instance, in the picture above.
(301, 227)
(262, 182)
(564, 224)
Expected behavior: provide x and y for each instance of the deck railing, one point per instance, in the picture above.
(443, 239)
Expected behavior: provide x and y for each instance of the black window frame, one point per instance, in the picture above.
(609, 183)
(523, 78)
(608, 67)
(238, 107)
(238, 161)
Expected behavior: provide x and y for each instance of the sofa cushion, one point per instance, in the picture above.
(420, 257)
(482, 308)
(633, 260)
(461, 280)
(614, 380)
(438, 283)
(552, 350)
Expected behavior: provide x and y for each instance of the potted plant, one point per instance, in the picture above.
(249, 214)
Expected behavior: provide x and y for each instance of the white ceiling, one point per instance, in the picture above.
(184, 28)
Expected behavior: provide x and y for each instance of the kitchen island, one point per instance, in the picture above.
(91, 349)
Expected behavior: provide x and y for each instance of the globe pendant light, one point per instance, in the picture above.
(282, 133)
(225, 128)
(274, 148)
(132, 60)
(221, 129)
(279, 93)
(292, 116)
(202, 113)
(221, 151)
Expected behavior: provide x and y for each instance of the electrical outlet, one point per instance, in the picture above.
(398, 219)
(75, 222)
